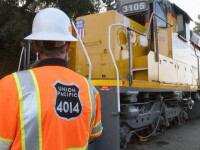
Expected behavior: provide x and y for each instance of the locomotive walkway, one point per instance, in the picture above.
(183, 137)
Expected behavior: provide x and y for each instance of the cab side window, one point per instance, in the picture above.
(183, 27)
(160, 12)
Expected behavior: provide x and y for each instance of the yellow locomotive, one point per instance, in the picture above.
(144, 61)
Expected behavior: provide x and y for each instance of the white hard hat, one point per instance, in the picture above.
(51, 24)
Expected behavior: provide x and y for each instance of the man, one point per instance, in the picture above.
(49, 107)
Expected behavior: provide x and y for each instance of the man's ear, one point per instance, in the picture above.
(35, 47)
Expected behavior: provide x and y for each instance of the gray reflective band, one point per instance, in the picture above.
(5, 144)
(93, 91)
(97, 129)
(30, 110)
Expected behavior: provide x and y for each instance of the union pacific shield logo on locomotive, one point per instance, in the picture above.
(67, 101)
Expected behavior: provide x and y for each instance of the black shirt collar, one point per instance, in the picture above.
(52, 62)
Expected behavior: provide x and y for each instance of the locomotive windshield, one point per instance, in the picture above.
(161, 12)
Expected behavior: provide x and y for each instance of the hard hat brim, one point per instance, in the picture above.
(50, 37)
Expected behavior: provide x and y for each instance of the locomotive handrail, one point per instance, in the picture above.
(25, 55)
(27, 61)
(113, 59)
(151, 19)
(115, 65)
(28, 55)
(85, 51)
(149, 26)
(20, 58)
(130, 58)
(130, 51)
(148, 30)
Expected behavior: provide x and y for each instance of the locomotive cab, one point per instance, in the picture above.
(143, 65)
(144, 61)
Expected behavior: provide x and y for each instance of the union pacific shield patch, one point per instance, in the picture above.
(67, 102)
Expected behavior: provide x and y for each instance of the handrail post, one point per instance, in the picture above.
(156, 37)
(25, 56)
(115, 65)
(85, 51)
(130, 57)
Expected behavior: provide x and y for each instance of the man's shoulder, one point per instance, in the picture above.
(75, 74)
(7, 80)
(11, 76)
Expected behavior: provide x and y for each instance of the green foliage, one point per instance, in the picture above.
(14, 25)
(16, 16)
(76, 8)
(196, 29)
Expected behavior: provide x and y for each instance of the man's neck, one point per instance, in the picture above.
(61, 56)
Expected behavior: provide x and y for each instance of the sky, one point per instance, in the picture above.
(191, 7)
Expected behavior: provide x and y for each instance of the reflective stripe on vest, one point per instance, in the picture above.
(30, 112)
(5, 143)
(81, 148)
(97, 129)
(92, 92)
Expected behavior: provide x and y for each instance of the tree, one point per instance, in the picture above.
(16, 15)
(196, 29)
(14, 24)
(16, 18)
(76, 8)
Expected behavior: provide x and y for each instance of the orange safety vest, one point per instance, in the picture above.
(48, 107)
